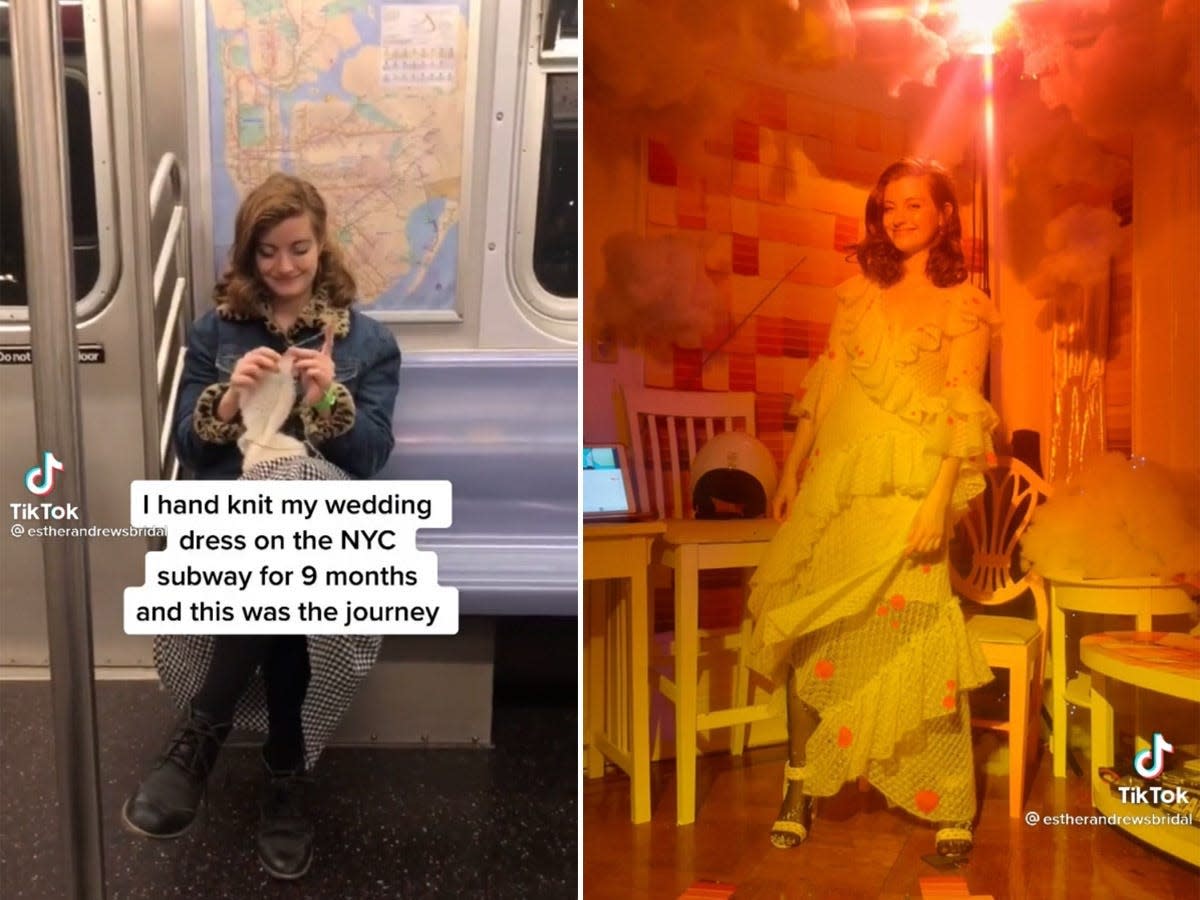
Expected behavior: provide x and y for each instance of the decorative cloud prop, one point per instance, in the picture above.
(648, 66)
(656, 292)
(1117, 519)
(1080, 244)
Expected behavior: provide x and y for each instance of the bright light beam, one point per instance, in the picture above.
(992, 162)
(978, 21)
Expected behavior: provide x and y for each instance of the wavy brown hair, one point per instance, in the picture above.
(281, 197)
(878, 257)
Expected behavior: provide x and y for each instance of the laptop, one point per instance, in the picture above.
(608, 485)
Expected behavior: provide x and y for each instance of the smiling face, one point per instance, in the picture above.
(286, 257)
(911, 218)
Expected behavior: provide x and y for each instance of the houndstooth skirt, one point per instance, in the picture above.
(338, 663)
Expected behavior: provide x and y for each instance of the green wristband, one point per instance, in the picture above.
(326, 403)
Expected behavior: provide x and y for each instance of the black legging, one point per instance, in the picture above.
(284, 661)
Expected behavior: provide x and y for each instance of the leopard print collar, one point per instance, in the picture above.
(317, 313)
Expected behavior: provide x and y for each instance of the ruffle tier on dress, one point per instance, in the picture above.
(878, 641)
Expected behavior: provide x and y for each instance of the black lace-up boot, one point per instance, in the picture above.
(166, 801)
(285, 831)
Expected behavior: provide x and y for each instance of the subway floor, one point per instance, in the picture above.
(411, 823)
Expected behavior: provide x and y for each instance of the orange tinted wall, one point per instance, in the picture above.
(776, 202)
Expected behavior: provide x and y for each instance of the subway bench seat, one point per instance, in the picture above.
(501, 426)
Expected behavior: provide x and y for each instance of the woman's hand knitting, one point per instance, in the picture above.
(314, 368)
(247, 372)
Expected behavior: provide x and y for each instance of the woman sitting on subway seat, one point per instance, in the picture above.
(283, 311)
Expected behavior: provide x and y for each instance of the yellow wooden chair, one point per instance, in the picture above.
(991, 528)
(665, 431)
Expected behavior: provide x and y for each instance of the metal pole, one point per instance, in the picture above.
(42, 152)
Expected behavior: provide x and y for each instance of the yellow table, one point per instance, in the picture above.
(617, 638)
(1167, 663)
(1141, 598)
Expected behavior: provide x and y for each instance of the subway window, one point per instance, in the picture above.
(556, 234)
(546, 255)
(85, 234)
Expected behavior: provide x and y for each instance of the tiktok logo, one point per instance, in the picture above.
(1151, 762)
(39, 480)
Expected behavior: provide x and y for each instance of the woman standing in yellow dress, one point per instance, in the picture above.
(852, 603)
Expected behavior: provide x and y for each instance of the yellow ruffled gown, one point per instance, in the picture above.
(878, 640)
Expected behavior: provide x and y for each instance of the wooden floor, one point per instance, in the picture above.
(858, 848)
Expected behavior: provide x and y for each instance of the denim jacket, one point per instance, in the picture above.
(356, 434)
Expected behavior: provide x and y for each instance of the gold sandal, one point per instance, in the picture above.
(954, 841)
(788, 833)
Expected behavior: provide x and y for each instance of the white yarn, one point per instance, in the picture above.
(265, 408)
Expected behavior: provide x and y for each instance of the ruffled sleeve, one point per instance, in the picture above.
(965, 430)
(970, 309)
(963, 427)
(804, 405)
(820, 385)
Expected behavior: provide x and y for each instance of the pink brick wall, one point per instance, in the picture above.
(779, 199)
(772, 201)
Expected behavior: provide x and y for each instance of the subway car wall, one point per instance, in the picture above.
(488, 386)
